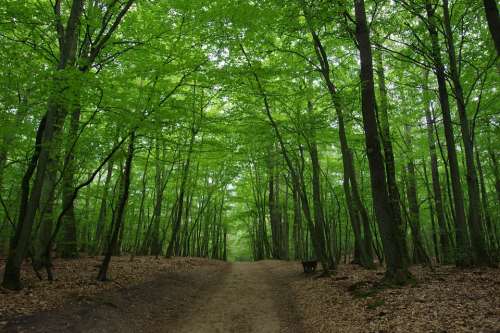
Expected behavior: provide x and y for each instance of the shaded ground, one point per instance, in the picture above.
(199, 295)
(443, 300)
(76, 279)
(214, 297)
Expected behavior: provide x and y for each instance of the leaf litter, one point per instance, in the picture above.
(76, 279)
(444, 299)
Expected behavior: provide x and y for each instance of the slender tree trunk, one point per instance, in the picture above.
(141, 217)
(432, 215)
(486, 211)
(419, 253)
(49, 127)
(436, 185)
(46, 221)
(120, 211)
(392, 237)
(274, 208)
(297, 226)
(155, 241)
(69, 245)
(316, 187)
(357, 210)
(286, 227)
(101, 219)
(178, 217)
(317, 238)
(462, 253)
(386, 140)
(496, 173)
(491, 11)
(479, 248)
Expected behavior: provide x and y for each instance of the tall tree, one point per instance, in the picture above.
(48, 128)
(120, 210)
(462, 253)
(444, 238)
(491, 11)
(480, 252)
(391, 233)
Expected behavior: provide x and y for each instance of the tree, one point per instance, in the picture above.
(391, 233)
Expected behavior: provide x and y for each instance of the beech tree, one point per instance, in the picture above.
(360, 132)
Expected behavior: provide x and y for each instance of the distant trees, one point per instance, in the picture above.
(305, 130)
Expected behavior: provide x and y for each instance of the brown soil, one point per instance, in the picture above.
(239, 297)
(200, 295)
(253, 297)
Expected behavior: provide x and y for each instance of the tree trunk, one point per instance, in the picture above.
(298, 239)
(444, 236)
(316, 186)
(69, 245)
(46, 221)
(178, 217)
(385, 136)
(419, 253)
(491, 11)
(392, 236)
(50, 126)
(101, 220)
(317, 238)
(120, 211)
(141, 217)
(356, 209)
(486, 211)
(155, 239)
(274, 208)
(462, 253)
(480, 251)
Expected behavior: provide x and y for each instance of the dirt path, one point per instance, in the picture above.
(253, 297)
(239, 297)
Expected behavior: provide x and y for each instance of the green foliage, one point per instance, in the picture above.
(176, 72)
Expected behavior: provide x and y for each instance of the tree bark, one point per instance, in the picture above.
(419, 253)
(69, 244)
(386, 140)
(178, 216)
(357, 211)
(274, 208)
(493, 242)
(159, 189)
(392, 236)
(479, 248)
(462, 253)
(444, 237)
(316, 187)
(491, 11)
(120, 211)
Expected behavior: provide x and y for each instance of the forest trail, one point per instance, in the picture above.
(251, 298)
(237, 297)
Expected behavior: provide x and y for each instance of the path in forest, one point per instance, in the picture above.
(237, 297)
(253, 297)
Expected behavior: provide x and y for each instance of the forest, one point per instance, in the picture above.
(231, 140)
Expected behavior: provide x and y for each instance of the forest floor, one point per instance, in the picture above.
(199, 295)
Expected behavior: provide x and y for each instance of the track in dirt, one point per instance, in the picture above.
(238, 297)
